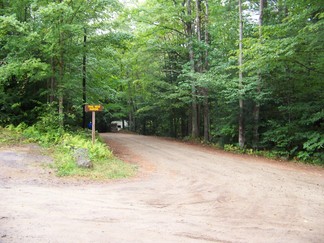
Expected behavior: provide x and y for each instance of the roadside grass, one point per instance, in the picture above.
(60, 145)
(9, 137)
(267, 154)
(273, 154)
(105, 165)
(270, 154)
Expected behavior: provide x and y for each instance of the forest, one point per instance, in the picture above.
(243, 75)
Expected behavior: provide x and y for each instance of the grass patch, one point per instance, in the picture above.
(267, 154)
(111, 169)
(9, 137)
(61, 146)
(105, 165)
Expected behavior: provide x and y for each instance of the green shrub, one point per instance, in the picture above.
(233, 148)
(105, 166)
(313, 149)
(61, 145)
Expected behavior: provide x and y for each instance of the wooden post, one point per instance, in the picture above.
(93, 109)
(93, 127)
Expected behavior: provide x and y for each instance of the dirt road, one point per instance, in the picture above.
(183, 193)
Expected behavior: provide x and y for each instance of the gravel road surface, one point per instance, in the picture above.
(182, 193)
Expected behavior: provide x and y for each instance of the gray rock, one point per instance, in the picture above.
(82, 159)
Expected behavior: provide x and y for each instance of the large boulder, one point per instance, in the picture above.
(82, 159)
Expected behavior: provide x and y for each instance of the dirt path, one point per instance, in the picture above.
(184, 193)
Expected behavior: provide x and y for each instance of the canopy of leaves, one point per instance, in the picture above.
(137, 61)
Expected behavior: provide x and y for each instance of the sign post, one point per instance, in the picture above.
(93, 127)
(93, 109)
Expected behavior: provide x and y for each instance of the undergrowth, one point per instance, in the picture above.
(273, 154)
(9, 137)
(61, 146)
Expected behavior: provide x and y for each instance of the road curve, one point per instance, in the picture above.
(200, 194)
(183, 193)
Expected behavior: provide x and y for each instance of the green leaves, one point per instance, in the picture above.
(137, 63)
(42, 52)
(9, 25)
(32, 69)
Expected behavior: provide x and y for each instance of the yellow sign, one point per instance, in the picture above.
(93, 108)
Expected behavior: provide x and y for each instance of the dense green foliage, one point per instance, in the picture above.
(48, 48)
(170, 68)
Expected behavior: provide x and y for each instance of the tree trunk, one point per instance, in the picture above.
(198, 19)
(205, 90)
(206, 115)
(130, 121)
(131, 106)
(206, 64)
(241, 102)
(61, 77)
(199, 35)
(52, 83)
(84, 78)
(61, 102)
(194, 112)
(256, 111)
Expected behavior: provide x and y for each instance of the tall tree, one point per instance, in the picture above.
(84, 77)
(205, 89)
(194, 105)
(256, 111)
(240, 63)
